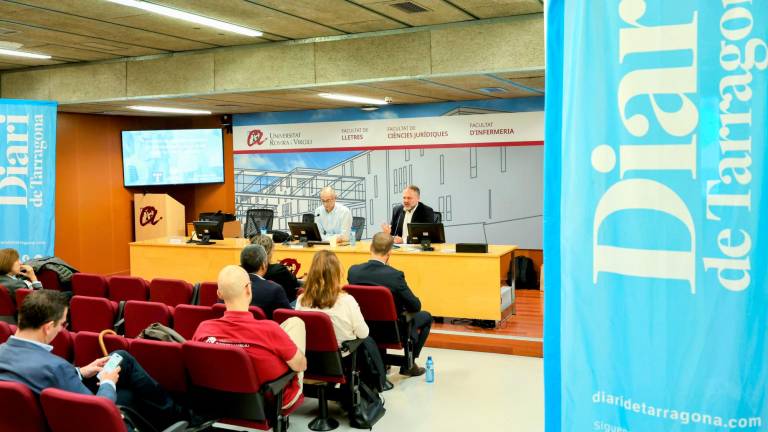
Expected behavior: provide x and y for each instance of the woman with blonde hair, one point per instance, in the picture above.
(323, 292)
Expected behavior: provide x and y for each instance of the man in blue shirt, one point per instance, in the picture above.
(332, 218)
(27, 358)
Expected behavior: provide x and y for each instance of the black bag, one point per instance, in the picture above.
(525, 274)
(368, 409)
(157, 331)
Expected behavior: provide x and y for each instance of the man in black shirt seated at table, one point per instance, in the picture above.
(265, 294)
(377, 272)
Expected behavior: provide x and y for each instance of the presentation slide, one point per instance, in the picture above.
(170, 157)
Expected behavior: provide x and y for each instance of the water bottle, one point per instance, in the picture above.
(352, 237)
(430, 370)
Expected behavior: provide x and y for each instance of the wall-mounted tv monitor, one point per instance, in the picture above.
(172, 157)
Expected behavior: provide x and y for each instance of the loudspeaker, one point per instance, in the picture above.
(472, 247)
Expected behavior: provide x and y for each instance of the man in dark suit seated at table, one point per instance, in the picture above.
(27, 358)
(377, 272)
(267, 295)
(410, 211)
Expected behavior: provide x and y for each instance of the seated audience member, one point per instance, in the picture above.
(410, 211)
(322, 292)
(332, 218)
(266, 294)
(27, 358)
(274, 348)
(277, 272)
(14, 274)
(377, 272)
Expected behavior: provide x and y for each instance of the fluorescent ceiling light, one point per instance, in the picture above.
(358, 99)
(167, 110)
(23, 54)
(186, 16)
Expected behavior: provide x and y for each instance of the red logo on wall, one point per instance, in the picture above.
(256, 137)
(148, 215)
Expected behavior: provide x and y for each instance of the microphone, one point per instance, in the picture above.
(317, 216)
(397, 223)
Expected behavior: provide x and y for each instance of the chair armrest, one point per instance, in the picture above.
(351, 345)
(180, 426)
(277, 385)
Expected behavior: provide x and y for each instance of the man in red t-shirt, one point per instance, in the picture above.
(273, 348)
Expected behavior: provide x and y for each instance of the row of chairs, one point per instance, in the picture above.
(48, 278)
(218, 380)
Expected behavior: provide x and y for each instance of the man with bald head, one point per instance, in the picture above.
(273, 348)
(377, 272)
(332, 218)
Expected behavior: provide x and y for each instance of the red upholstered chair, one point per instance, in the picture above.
(89, 284)
(91, 314)
(19, 410)
(86, 346)
(324, 364)
(7, 305)
(5, 331)
(206, 294)
(62, 345)
(186, 318)
(164, 362)
(234, 394)
(74, 412)
(124, 288)
(256, 311)
(21, 294)
(140, 314)
(170, 291)
(49, 279)
(387, 328)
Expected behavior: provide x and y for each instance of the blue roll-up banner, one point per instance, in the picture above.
(654, 208)
(27, 176)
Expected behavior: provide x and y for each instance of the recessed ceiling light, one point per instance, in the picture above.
(358, 99)
(167, 110)
(23, 54)
(186, 16)
(493, 90)
(369, 108)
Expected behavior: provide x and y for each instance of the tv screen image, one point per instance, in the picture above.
(172, 157)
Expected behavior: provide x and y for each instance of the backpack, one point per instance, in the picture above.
(525, 274)
(157, 331)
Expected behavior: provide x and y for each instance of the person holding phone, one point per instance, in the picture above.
(27, 358)
(14, 274)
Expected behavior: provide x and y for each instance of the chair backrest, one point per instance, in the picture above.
(206, 293)
(378, 308)
(5, 331)
(322, 350)
(438, 217)
(74, 412)
(86, 346)
(358, 226)
(21, 294)
(170, 291)
(49, 279)
(124, 288)
(307, 217)
(63, 345)
(7, 306)
(186, 318)
(163, 361)
(91, 313)
(89, 284)
(20, 410)
(256, 219)
(140, 314)
(231, 391)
